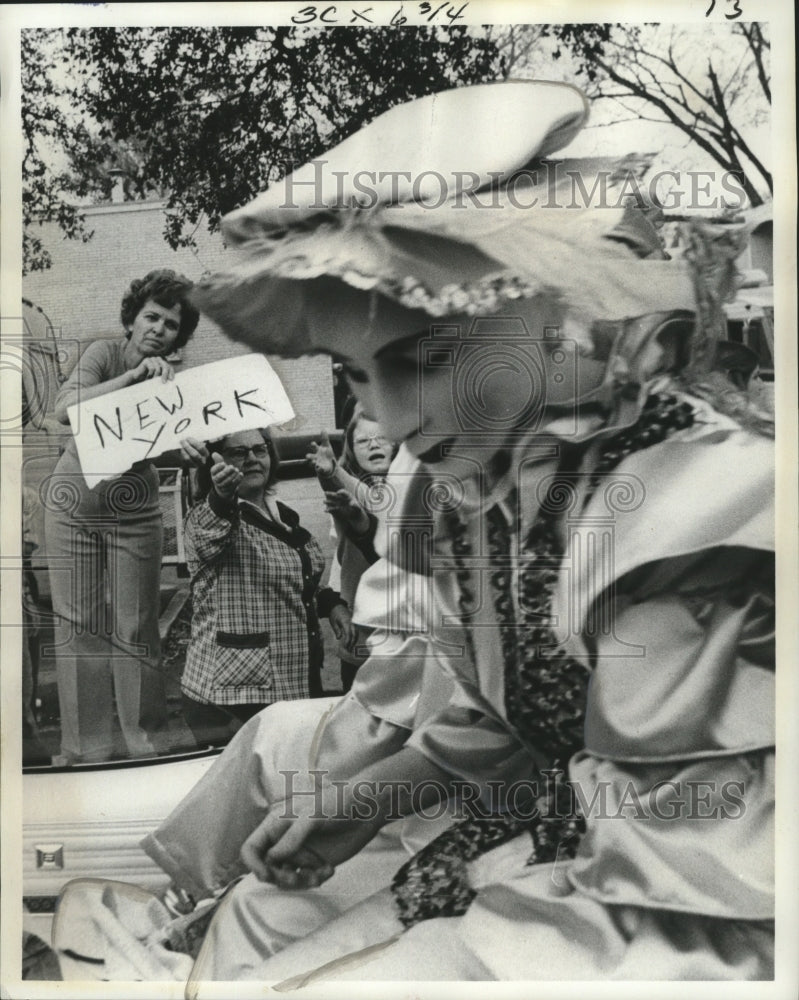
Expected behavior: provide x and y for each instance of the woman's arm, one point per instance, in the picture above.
(364, 541)
(302, 839)
(90, 377)
(350, 516)
(209, 526)
(209, 530)
(353, 522)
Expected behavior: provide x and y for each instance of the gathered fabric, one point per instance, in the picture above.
(545, 688)
(648, 854)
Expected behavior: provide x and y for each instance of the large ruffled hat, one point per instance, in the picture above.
(438, 208)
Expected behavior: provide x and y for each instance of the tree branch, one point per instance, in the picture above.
(756, 42)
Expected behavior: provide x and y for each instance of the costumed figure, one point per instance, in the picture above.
(593, 512)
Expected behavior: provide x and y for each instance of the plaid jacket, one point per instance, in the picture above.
(255, 594)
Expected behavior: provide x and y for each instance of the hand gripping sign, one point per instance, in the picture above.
(142, 421)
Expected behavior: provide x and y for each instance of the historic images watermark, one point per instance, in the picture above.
(30, 369)
(34, 365)
(496, 379)
(490, 389)
(552, 797)
(551, 185)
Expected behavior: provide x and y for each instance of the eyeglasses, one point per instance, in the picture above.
(239, 454)
(375, 438)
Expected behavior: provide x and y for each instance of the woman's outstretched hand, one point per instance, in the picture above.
(322, 457)
(341, 503)
(194, 451)
(225, 478)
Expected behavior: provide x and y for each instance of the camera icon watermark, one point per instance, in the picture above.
(495, 381)
(31, 372)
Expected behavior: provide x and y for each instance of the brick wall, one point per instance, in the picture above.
(82, 291)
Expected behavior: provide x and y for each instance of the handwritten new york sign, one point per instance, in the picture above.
(142, 421)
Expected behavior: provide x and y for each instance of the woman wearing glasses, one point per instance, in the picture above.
(255, 636)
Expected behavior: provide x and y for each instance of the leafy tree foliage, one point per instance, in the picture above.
(48, 128)
(210, 116)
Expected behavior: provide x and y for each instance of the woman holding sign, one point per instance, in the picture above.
(107, 541)
(255, 636)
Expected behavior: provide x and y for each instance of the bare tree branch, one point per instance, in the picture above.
(757, 43)
(656, 75)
